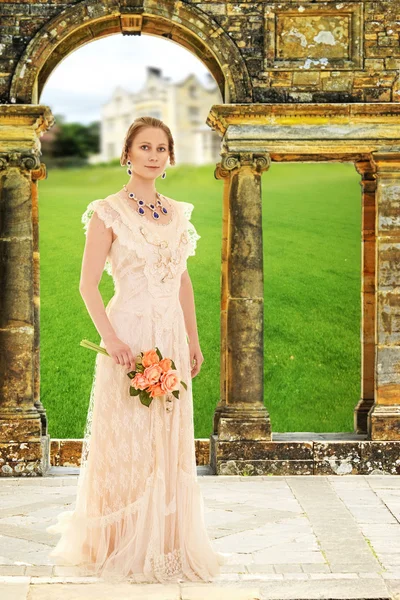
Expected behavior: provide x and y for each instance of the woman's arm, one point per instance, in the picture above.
(186, 298)
(98, 243)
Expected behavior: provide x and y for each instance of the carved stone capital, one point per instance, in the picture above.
(22, 160)
(257, 162)
(220, 173)
(40, 173)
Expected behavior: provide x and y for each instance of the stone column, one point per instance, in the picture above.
(220, 173)
(384, 417)
(241, 417)
(367, 332)
(24, 443)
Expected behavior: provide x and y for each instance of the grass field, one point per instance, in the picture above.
(311, 232)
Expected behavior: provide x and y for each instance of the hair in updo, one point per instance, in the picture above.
(139, 124)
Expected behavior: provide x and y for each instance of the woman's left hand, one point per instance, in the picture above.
(196, 359)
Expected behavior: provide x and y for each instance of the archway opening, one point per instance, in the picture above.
(103, 101)
(312, 309)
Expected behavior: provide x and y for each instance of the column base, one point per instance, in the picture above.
(384, 422)
(242, 421)
(361, 415)
(24, 450)
(25, 459)
(241, 432)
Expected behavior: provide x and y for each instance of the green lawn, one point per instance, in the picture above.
(311, 229)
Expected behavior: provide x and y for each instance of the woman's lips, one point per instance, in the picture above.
(151, 167)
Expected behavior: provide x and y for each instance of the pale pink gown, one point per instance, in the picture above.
(139, 511)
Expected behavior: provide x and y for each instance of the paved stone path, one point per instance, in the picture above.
(294, 537)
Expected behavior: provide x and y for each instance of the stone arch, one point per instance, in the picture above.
(87, 21)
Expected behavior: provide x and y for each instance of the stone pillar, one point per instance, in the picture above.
(24, 442)
(367, 330)
(220, 173)
(384, 417)
(241, 418)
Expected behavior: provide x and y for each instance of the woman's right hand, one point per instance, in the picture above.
(121, 353)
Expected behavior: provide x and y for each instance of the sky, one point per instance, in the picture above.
(86, 78)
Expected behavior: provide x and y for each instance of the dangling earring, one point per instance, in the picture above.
(129, 171)
(163, 176)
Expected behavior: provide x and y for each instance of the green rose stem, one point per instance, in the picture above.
(95, 347)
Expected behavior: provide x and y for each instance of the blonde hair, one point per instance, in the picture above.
(135, 128)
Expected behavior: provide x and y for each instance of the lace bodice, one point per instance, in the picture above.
(145, 254)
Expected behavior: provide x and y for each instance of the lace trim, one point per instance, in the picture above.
(191, 230)
(126, 233)
(167, 565)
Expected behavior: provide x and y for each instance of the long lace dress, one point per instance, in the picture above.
(139, 511)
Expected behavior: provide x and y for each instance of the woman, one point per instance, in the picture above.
(139, 510)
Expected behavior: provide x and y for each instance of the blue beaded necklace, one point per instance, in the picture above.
(156, 208)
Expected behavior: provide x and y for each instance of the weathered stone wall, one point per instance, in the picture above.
(320, 51)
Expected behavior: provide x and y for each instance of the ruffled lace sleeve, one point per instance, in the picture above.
(107, 214)
(192, 233)
(104, 211)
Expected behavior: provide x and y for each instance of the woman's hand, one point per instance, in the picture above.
(196, 358)
(121, 353)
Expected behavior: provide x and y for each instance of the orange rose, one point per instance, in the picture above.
(150, 358)
(165, 364)
(152, 373)
(139, 381)
(169, 381)
(156, 390)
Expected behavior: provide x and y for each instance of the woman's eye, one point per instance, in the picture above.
(146, 146)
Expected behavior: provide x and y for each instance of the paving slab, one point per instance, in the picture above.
(14, 591)
(285, 537)
(99, 591)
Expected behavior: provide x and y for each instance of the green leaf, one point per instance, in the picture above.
(133, 391)
(176, 393)
(158, 353)
(145, 398)
(184, 385)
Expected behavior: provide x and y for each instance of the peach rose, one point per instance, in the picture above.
(156, 390)
(152, 373)
(139, 381)
(149, 358)
(169, 381)
(165, 364)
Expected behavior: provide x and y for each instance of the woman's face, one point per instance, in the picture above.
(149, 148)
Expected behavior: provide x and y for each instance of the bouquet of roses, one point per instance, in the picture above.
(154, 375)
